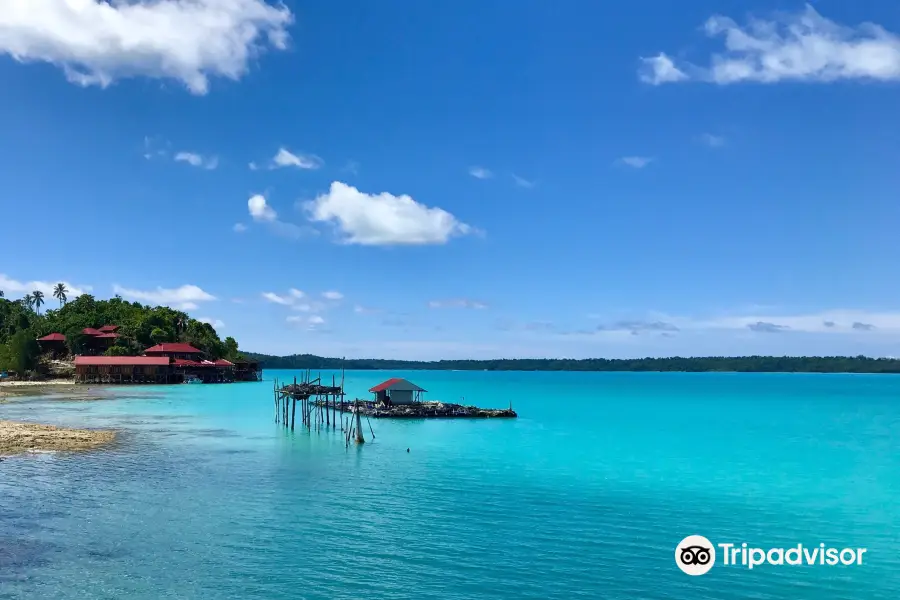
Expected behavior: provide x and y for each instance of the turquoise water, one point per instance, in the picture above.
(584, 496)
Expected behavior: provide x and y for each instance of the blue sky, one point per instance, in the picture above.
(466, 179)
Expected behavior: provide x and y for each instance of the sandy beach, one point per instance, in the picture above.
(18, 384)
(17, 437)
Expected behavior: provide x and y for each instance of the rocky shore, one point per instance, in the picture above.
(16, 438)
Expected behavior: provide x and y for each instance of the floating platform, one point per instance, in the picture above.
(427, 410)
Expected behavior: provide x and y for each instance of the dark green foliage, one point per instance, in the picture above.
(20, 353)
(742, 364)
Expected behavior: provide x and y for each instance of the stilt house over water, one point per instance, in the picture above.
(397, 391)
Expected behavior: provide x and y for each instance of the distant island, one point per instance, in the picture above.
(709, 364)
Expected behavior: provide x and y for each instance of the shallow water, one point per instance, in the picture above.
(585, 495)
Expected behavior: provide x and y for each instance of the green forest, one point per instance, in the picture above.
(24, 320)
(722, 364)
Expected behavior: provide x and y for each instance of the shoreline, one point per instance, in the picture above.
(19, 438)
(35, 383)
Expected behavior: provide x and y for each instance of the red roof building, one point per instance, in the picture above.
(397, 391)
(172, 349)
(91, 331)
(53, 337)
(107, 336)
(98, 361)
(109, 328)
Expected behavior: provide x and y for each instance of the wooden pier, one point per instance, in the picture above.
(321, 407)
(427, 410)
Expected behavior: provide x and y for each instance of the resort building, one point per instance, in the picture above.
(396, 391)
(162, 363)
(54, 343)
(123, 369)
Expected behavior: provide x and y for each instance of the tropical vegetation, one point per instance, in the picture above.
(22, 322)
(741, 364)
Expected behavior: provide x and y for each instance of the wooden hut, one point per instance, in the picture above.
(54, 343)
(396, 391)
(122, 369)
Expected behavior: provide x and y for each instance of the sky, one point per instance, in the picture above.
(475, 179)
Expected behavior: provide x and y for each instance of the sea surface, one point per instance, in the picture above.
(585, 495)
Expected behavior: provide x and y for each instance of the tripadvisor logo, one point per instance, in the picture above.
(696, 555)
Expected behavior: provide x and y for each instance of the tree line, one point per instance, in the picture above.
(721, 364)
(22, 322)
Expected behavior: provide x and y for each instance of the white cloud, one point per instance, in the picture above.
(313, 322)
(457, 303)
(285, 158)
(11, 286)
(239, 228)
(522, 182)
(383, 219)
(252, 166)
(197, 160)
(660, 69)
(304, 307)
(216, 323)
(713, 141)
(260, 209)
(296, 293)
(261, 212)
(185, 297)
(480, 173)
(636, 162)
(364, 310)
(332, 295)
(96, 42)
(801, 46)
(273, 297)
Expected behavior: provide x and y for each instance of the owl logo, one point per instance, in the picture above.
(695, 555)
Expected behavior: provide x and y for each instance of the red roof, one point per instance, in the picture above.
(107, 335)
(175, 348)
(138, 361)
(394, 381)
(91, 331)
(109, 328)
(53, 337)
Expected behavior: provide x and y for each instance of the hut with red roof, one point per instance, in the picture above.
(397, 391)
(54, 343)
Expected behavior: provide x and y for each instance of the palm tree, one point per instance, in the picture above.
(37, 296)
(28, 301)
(1, 293)
(59, 292)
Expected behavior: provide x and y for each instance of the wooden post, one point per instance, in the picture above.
(293, 412)
(359, 436)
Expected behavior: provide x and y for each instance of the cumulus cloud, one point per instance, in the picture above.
(216, 323)
(801, 46)
(196, 160)
(480, 173)
(96, 43)
(286, 158)
(382, 219)
(185, 297)
(660, 69)
(260, 209)
(11, 286)
(635, 162)
(262, 212)
(457, 303)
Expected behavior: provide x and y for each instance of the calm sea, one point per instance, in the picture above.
(584, 496)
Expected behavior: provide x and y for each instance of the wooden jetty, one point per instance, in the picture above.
(320, 407)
